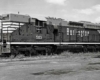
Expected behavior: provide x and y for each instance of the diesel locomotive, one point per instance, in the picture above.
(22, 34)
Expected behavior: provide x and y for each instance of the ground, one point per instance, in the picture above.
(63, 67)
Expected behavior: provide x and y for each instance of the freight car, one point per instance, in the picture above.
(21, 34)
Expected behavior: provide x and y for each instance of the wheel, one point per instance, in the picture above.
(94, 49)
(50, 50)
(33, 52)
(85, 49)
(14, 51)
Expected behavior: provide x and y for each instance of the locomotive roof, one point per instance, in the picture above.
(54, 21)
(91, 25)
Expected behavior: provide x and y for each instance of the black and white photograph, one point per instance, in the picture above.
(49, 40)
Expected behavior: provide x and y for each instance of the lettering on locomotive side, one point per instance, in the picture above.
(38, 37)
(81, 33)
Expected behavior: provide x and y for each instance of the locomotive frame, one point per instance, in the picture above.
(64, 38)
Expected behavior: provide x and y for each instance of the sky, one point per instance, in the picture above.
(70, 10)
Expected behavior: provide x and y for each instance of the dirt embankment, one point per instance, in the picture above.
(67, 66)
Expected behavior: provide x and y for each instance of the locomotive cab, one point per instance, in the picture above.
(39, 25)
(44, 32)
